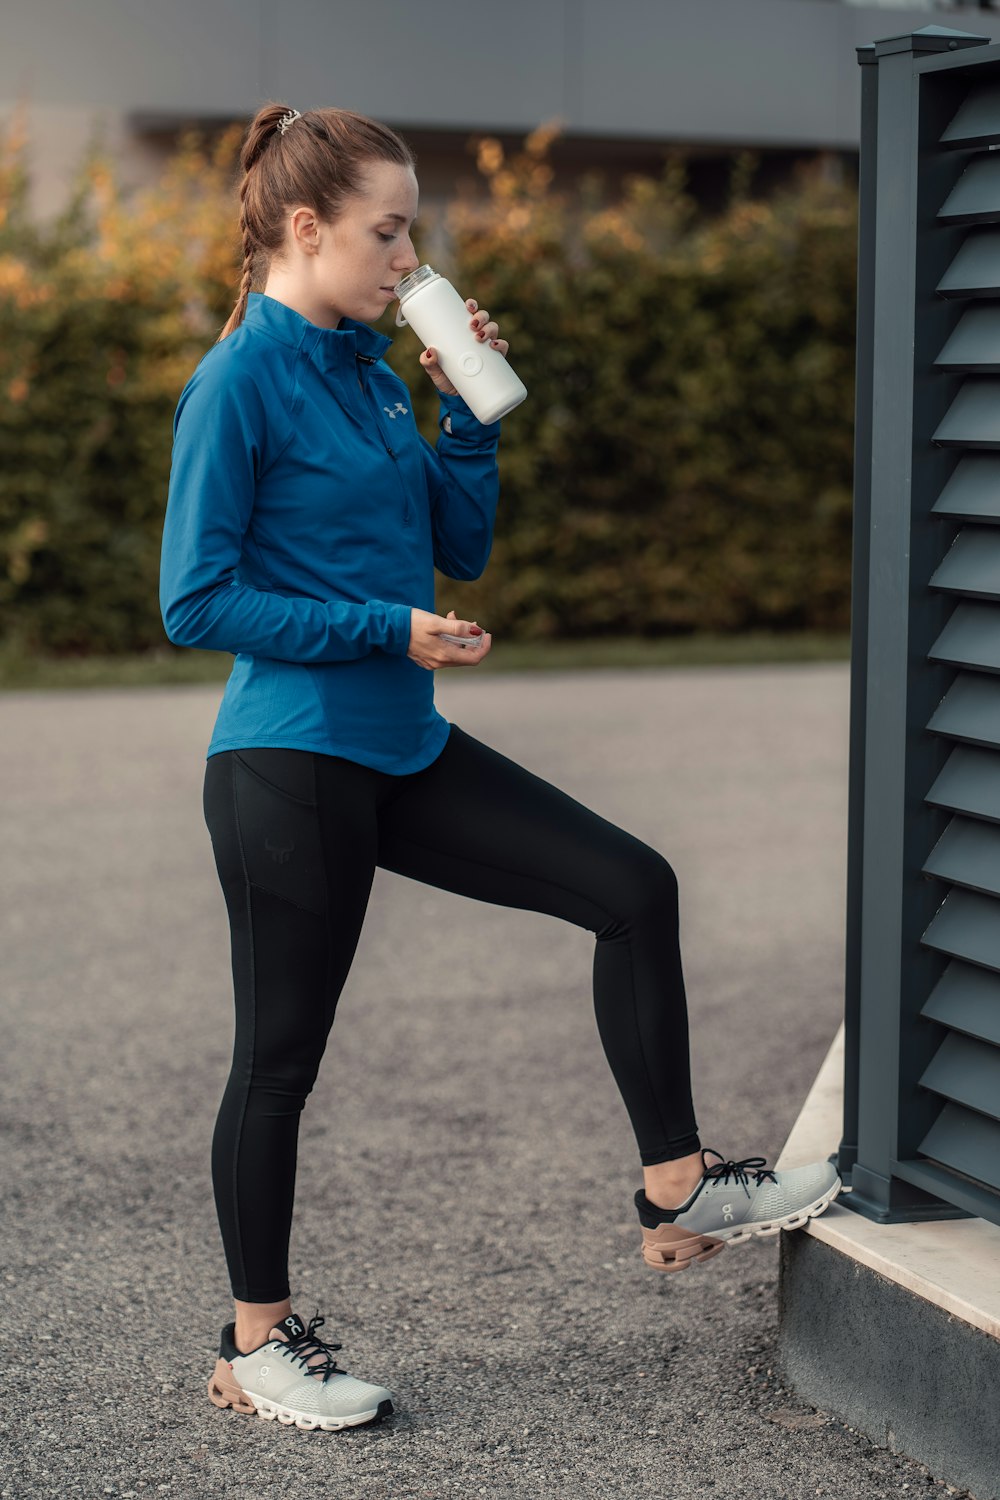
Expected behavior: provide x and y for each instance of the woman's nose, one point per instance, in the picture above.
(407, 259)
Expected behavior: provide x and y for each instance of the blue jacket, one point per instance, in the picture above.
(305, 516)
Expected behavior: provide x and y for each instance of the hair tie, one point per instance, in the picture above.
(287, 119)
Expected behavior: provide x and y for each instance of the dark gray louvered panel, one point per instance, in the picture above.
(975, 198)
(976, 122)
(965, 926)
(966, 1071)
(967, 999)
(972, 564)
(969, 782)
(971, 638)
(975, 270)
(974, 342)
(967, 1142)
(970, 710)
(973, 418)
(929, 386)
(973, 491)
(968, 854)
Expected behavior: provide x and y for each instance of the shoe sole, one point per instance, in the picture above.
(670, 1247)
(224, 1390)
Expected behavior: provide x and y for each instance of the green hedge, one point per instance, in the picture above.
(683, 460)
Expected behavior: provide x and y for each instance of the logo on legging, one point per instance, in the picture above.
(279, 852)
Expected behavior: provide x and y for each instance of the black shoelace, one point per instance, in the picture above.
(304, 1345)
(740, 1171)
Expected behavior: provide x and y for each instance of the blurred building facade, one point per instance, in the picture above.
(626, 80)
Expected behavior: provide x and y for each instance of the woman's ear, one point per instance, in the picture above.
(305, 230)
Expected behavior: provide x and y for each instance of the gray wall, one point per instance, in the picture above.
(736, 71)
(707, 73)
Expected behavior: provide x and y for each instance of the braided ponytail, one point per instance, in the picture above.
(317, 160)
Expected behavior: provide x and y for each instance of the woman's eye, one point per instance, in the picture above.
(385, 237)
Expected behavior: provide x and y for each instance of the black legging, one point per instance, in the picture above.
(297, 837)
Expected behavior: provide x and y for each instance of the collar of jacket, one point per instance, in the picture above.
(333, 350)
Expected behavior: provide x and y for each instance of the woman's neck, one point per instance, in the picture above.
(301, 299)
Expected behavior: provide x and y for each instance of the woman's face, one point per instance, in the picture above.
(348, 268)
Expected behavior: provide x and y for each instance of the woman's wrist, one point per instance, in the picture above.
(456, 406)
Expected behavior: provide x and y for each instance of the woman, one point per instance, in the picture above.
(304, 520)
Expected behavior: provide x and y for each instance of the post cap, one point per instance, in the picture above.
(927, 39)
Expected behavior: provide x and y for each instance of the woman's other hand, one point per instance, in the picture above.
(486, 332)
(428, 650)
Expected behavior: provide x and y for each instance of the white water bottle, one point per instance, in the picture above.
(439, 317)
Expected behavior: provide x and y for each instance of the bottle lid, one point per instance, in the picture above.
(416, 278)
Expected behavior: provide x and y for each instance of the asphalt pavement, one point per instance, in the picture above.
(464, 1214)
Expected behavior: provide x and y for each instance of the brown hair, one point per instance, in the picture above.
(318, 160)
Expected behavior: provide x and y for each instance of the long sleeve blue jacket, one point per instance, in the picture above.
(305, 517)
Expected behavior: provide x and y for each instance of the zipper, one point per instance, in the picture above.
(407, 518)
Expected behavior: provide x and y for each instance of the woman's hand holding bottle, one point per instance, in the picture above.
(430, 647)
(486, 332)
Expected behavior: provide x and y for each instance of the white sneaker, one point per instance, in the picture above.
(733, 1202)
(294, 1377)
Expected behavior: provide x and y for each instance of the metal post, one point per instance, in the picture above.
(847, 1155)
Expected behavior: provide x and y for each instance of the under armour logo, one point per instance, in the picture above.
(278, 852)
(400, 410)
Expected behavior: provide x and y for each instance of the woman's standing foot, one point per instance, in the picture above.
(292, 1376)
